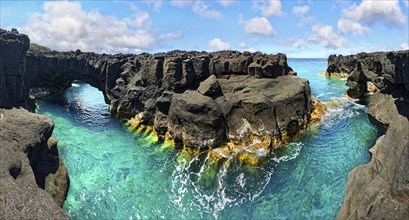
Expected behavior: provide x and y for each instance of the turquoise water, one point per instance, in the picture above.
(119, 175)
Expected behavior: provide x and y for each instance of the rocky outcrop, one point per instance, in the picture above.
(25, 163)
(379, 189)
(372, 71)
(13, 81)
(198, 99)
(33, 180)
(128, 81)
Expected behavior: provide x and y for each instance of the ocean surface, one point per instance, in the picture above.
(117, 174)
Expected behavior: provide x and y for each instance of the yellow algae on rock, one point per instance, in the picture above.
(188, 154)
(147, 131)
(319, 110)
(250, 148)
(371, 87)
(335, 75)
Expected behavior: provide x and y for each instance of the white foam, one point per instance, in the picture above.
(296, 149)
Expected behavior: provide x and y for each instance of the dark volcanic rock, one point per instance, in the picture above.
(196, 121)
(159, 89)
(379, 189)
(385, 70)
(210, 87)
(13, 80)
(28, 164)
(266, 107)
(23, 167)
(128, 81)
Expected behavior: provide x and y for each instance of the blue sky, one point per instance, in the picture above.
(302, 28)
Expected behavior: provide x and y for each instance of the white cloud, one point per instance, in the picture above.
(259, 26)
(217, 44)
(370, 12)
(66, 26)
(140, 19)
(268, 7)
(154, 4)
(198, 7)
(251, 49)
(324, 36)
(404, 46)
(227, 3)
(242, 45)
(172, 35)
(350, 26)
(306, 21)
(301, 10)
(298, 43)
(406, 2)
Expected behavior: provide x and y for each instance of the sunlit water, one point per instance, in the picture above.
(115, 174)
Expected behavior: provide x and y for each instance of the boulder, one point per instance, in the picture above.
(25, 166)
(196, 121)
(210, 87)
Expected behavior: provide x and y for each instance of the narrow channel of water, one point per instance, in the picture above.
(119, 175)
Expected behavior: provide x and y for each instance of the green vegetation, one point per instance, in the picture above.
(35, 48)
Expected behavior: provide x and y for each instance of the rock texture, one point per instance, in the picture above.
(30, 170)
(199, 99)
(13, 81)
(380, 189)
(25, 162)
(372, 71)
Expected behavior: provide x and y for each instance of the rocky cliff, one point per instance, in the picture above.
(372, 71)
(13, 81)
(197, 99)
(221, 100)
(33, 180)
(380, 189)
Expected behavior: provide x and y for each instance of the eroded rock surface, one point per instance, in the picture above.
(25, 163)
(380, 189)
(13, 81)
(33, 182)
(199, 99)
(372, 71)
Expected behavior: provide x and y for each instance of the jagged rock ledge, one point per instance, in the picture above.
(33, 180)
(380, 189)
(193, 99)
(371, 72)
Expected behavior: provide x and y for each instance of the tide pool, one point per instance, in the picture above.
(116, 174)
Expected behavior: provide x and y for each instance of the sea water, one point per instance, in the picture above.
(117, 174)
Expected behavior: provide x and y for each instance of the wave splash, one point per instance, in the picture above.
(200, 184)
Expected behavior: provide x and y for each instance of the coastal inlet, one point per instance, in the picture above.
(118, 174)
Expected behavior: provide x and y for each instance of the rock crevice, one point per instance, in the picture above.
(33, 180)
(379, 189)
